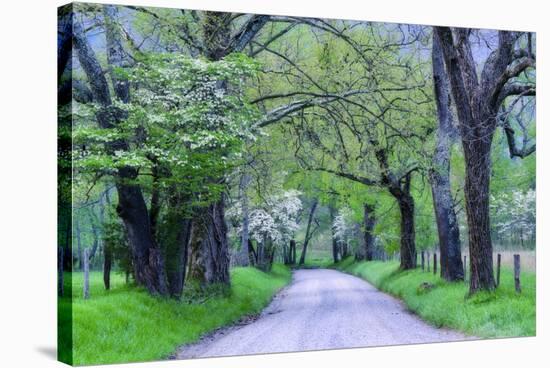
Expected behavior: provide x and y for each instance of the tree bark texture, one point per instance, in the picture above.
(176, 255)
(408, 247)
(210, 245)
(400, 189)
(439, 175)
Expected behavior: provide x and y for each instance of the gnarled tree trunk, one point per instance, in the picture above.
(146, 257)
(445, 215)
(210, 246)
(476, 192)
(176, 257)
(408, 246)
(400, 189)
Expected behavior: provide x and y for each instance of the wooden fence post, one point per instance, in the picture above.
(86, 274)
(422, 259)
(435, 263)
(465, 270)
(60, 271)
(516, 273)
(498, 268)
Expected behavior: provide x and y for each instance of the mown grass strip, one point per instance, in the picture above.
(125, 324)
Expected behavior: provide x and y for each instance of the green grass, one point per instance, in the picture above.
(500, 314)
(125, 324)
(319, 262)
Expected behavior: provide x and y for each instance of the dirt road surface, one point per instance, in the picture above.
(322, 309)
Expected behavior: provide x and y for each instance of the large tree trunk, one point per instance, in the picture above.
(408, 246)
(146, 256)
(400, 189)
(447, 224)
(369, 222)
(176, 257)
(308, 231)
(210, 245)
(448, 231)
(476, 192)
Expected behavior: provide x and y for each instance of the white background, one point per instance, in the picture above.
(28, 180)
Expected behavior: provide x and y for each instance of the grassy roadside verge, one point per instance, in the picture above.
(500, 314)
(125, 324)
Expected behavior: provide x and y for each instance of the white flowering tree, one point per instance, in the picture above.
(271, 225)
(185, 116)
(514, 215)
(344, 229)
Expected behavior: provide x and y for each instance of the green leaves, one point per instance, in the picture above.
(186, 115)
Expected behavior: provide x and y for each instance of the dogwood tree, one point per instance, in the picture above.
(514, 214)
(344, 227)
(185, 115)
(276, 221)
(271, 224)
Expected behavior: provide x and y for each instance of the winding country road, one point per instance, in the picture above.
(322, 309)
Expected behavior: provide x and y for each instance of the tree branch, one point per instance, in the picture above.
(317, 100)
(510, 72)
(514, 151)
(515, 89)
(247, 32)
(356, 178)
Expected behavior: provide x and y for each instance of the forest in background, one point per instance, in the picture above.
(204, 139)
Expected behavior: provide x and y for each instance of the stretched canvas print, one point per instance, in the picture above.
(234, 184)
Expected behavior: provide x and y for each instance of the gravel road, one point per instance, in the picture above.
(322, 309)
